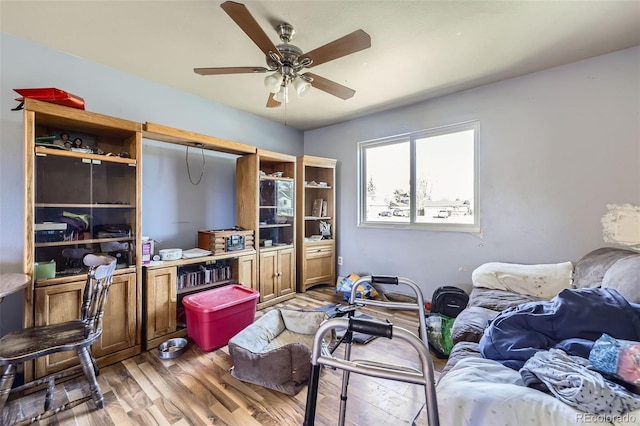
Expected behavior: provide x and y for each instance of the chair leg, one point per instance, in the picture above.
(48, 398)
(6, 381)
(96, 369)
(89, 372)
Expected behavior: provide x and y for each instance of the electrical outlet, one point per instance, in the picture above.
(339, 260)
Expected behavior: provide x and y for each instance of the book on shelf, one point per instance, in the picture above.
(50, 226)
(323, 210)
(317, 207)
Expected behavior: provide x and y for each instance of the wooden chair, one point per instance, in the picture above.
(77, 335)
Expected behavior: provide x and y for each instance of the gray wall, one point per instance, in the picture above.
(555, 148)
(173, 208)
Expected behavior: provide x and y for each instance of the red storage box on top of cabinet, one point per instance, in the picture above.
(215, 316)
(53, 95)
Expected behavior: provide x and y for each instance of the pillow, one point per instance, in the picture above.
(590, 270)
(258, 335)
(498, 300)
(470, 324)
(302, 322)
(544, 281)
(624, 276)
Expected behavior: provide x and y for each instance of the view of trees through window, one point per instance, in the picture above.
(442, 163)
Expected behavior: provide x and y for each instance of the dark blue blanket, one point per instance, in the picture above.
(571, 321)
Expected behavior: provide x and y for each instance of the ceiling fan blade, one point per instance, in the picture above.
(229, 70)
(241, 16)
(351, 43)
(272, 103)
(331, 87)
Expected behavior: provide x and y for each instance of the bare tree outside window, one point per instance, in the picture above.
(371, 189)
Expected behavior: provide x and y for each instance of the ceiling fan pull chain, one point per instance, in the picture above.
(189, 171)
(285, 110)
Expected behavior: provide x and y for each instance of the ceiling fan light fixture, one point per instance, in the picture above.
(282, 96)
(273, 82)
(302, 87)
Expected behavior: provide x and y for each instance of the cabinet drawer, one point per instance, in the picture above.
(318, 251)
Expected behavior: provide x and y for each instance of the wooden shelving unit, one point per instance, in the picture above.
(102, 187)
(265, 202)
(316, 244)
(163, 297)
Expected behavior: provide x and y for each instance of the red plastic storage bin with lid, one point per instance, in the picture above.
(215, 316)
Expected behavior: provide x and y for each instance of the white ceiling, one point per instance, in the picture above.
(420, 49)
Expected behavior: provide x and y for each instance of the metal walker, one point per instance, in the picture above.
(319, 357)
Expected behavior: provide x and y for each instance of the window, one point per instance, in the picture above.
(422, 180)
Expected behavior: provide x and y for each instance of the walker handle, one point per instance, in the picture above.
(374, 328)
(384, 279)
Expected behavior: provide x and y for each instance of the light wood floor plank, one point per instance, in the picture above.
(158, 416)
(115, 411)
(154, 375)
(145, 384)
(168, 409)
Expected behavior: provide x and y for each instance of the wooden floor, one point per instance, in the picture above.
(197, 388)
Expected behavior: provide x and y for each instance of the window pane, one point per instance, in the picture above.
(387, 177)
(445, 178)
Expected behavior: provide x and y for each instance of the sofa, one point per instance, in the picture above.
(475, 390)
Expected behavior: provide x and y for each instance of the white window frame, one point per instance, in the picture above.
(411, 138)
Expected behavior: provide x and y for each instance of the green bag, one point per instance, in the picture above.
(439, 334)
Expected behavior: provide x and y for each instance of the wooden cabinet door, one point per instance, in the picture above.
(286, 271)
(268, 275)
(161, 299)
(119, 323)
(319, 265)
(247, 270)
(55, 304)
(63, 302)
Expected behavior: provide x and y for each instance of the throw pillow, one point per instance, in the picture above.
(590, 270)
(624, 276)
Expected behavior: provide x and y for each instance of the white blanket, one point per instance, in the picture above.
(544, 281)
(482, 392)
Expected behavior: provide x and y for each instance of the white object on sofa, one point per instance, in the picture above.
(478, 392)
(544, 280)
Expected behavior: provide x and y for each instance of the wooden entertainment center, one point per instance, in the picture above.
(98, 209)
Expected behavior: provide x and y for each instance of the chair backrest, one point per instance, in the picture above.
(94, 299)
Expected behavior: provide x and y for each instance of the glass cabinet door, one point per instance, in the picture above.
(83, 205)
(277, 206)
(284, 201)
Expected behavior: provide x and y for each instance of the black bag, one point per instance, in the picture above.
(449, 301)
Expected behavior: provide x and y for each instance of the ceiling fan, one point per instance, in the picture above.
(286, 61)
